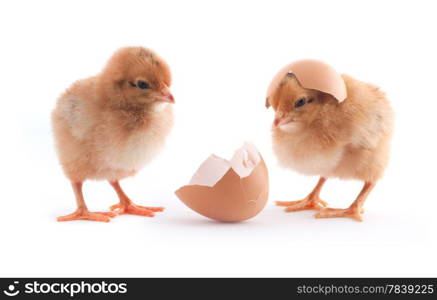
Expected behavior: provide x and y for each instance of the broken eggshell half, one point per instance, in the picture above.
(229, 191)
(312, 74)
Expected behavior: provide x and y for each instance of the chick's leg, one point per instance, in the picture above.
(126, 206)
(312, 201)
(354, 211)
(82, 212)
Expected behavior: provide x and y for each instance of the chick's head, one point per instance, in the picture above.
(295, 106)
(137, 76)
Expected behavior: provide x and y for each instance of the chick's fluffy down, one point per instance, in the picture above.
(104, 128)
(94, 143)
(350, 140)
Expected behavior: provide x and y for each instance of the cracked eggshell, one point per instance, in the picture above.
(313, 74)
(229, 191)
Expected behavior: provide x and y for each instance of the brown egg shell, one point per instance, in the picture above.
(313, 74)
(232, 198)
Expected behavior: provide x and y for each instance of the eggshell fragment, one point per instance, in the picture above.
(229, 191)
(313, 74)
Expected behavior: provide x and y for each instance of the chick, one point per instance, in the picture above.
(315, 134)
(110, 125)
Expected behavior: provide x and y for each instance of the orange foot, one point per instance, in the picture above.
(84, 214)
(305, 204)
(133, 209)
(351, 212)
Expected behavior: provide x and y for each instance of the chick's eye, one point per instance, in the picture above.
(300, 102)
(143, 85)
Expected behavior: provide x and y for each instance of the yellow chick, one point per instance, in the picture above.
(315, 134)
(109, 126)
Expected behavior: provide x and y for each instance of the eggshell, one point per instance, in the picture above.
(229, 191)
(313, 74)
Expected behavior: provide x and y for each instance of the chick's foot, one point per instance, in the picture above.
(305, 204)
(133, 209)
(351, 212)
(84, 214)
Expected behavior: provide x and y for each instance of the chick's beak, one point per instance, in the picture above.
(166, 96)
(282, 120)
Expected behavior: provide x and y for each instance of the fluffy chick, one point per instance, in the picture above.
(315, 134)
(110, 125)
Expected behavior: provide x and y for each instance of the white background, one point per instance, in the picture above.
(223, 56)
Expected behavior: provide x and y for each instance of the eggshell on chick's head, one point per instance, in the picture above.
(313, 74)
(229, 191)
